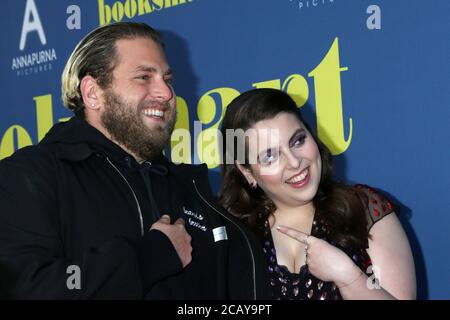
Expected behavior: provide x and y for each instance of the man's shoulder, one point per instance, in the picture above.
(29, 155)
(26, 164)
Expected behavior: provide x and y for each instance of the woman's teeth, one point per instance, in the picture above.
(298, 178)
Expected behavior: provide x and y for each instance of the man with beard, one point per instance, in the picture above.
(96, 211)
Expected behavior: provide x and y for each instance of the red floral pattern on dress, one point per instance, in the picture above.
(377, 205)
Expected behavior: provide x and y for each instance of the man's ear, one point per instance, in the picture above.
(91, 93)
(246, 173)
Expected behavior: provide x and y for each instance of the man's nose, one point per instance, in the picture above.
(162, 91)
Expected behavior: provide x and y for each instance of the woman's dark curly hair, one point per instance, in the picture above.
(339, 206)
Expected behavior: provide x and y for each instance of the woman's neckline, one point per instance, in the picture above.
(282, 266)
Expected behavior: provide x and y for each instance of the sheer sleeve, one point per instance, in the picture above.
(377, 207)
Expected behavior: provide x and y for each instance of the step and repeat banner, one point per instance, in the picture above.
(371, 77)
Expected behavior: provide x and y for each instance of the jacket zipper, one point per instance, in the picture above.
(134, 195)
(240, 230)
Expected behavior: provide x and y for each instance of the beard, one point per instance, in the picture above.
(124, 122)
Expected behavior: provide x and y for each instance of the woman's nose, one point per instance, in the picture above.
(293, 160)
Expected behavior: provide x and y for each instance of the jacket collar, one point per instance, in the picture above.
(76, 140)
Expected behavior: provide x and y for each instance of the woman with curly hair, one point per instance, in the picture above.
(322, 239)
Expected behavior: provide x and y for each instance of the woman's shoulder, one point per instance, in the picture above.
(376, 205)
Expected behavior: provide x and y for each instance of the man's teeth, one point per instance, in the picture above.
(298, 178)
(154, 113)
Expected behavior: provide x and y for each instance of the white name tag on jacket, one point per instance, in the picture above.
(220, 233)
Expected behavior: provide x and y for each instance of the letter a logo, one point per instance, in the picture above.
(31, 22)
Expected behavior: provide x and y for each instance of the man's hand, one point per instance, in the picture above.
(178, 235)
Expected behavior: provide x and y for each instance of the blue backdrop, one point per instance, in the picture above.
(370, 76)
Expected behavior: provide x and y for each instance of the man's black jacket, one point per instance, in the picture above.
(75, 216)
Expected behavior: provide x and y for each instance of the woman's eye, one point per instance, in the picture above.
(169, 81)
(143, 77)
(268, 158)
(299, 141)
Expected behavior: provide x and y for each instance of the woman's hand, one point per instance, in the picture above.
(324, 260)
